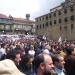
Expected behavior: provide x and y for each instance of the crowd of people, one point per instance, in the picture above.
(37, 57)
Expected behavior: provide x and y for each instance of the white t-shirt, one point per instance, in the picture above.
(31, 52)
(2, 51)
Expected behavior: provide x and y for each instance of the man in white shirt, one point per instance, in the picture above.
(2, 49)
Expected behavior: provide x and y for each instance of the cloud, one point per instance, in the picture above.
(19, 8)
(45, 6)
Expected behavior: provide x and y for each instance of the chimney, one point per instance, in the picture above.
(27, 16)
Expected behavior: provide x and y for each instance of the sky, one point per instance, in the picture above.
(19, 8)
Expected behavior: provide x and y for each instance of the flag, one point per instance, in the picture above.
(44, 37)
(60, 40)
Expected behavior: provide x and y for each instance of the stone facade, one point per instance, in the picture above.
(13, 25)
(59, 22)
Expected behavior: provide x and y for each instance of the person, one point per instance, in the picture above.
(59, 62)
(26, 64)
(4, 55)
(43, 64)
(61, 52)
(70, 65)
(31, 51)
(70, 50)
(2, 50)
(15, 56)
(46, 51)
(8, 67)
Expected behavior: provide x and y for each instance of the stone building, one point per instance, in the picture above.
(13, 25)
(59, 22)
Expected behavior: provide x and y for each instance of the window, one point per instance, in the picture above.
(10, 27)
(40, 19)
(40, 26)
(54, 14)
(50, 16)
(43, 25)
(71, 26)
(37, 20)
(37, 26)
(43, 18)
(50, 22)
(71, 8)
(46, 16)
(59, 20)
(60, 27)
(59, 13)
(65, 27)
(46, 23)
(65, 11)
(65, 19)
(72, 17)
(54, 21)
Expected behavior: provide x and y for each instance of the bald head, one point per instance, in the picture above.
(41, 58)
(43, 64)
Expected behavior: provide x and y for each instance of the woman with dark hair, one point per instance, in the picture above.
(26, 64)
(70, 65)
